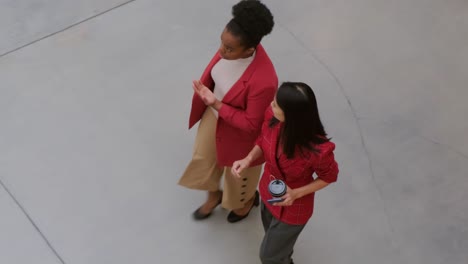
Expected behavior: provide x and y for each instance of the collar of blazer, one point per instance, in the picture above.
(260, 57)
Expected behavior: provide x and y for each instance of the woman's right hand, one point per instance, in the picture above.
(239, 166)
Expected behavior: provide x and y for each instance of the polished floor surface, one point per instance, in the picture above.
(94, 101)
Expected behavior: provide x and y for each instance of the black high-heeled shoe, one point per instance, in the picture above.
(197, 215)
(233, 217)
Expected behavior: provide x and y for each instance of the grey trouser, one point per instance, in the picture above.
(278, 242)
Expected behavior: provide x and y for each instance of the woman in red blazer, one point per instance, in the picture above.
(295, 146)
(230, 101)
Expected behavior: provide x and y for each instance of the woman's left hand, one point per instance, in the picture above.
(205, 94)
(289, 198)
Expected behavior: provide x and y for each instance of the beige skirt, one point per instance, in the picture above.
(203, 172)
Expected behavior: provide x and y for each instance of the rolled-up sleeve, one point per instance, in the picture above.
(327, 167)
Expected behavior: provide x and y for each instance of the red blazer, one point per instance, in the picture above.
(241, 116)
(298, 172)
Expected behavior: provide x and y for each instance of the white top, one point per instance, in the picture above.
(225, 74)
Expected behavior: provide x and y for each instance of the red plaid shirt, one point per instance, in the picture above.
(297, 171)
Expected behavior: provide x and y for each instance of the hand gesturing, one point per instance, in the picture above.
(205, 94)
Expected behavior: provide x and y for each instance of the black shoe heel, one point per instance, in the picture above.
(257, 199)
(233, 217)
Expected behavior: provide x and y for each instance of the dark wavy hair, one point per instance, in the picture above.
(251, 21)
(302, 126)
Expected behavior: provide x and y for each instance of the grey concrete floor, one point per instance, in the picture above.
(94, 100)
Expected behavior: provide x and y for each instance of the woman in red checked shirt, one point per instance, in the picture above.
(295, 146)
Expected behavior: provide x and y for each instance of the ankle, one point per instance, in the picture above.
(214, 197)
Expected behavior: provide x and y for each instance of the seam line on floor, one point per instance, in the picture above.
(20, 206)
(64, 29)
(356, 118)
(32, 222)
